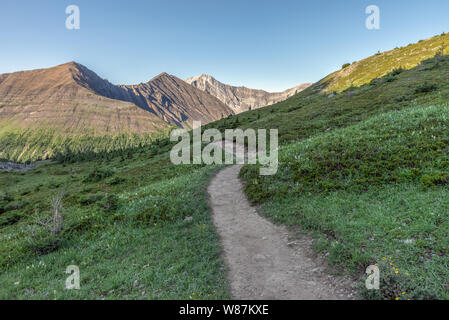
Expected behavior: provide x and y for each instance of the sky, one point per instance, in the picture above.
(271, 45)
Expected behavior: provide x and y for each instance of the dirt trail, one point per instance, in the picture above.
(263, 261)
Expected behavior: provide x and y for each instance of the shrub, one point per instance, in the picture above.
(397, 71)
(389, 78)
(345, 65)
(16, 205)
(426, 88)
(110, 202)
(6, 197)
(402, 98)
(9, 218)
(45, 235)
(98, 174)
(435, 179)
(90, 199)
(115, 181)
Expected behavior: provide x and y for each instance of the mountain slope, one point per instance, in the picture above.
(60, 98)
(365, 169)
(46, 111)
(175, 101)
(166, 96)
(314, 110)
(378, 65)
(241, 99)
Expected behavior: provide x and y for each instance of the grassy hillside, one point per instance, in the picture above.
(313, 112)
(362, 72)
(32, 144)
(375, 190)
(366, 171)
(124, 224)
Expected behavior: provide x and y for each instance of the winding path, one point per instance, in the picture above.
(262, 261)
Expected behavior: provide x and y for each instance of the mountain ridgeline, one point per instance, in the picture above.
(242, 99)
(168, 97)
(48, 111)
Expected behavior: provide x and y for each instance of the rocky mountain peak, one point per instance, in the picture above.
(241, 99)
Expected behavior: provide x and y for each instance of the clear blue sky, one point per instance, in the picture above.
(271, 45)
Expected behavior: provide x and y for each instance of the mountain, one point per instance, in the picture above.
(168, 97)
(175, 101)
(65, 97)
(241, 99)
(69, 106)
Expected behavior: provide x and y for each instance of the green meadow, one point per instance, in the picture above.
(363, 168)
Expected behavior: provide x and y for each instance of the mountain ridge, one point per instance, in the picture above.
(241, 98)
(69, 106)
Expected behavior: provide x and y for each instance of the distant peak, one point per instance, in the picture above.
(202, 76)
(70, 64)
(161, 75)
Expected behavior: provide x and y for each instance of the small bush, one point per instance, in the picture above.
(397, 71)
(389, 78)
(110, 202)
(426, 88)
(345, 65)
(15, 206)
(402, 98)
(9, 218)
(435, 179)
(115, 181)
(45, 235)
(90, 199)
(43, 242)
(6, 197)
(98, 174)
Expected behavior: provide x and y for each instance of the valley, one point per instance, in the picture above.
(363, 180)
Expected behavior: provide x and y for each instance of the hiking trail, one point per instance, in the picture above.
(264, 260)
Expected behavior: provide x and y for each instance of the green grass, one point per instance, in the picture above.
(22, 145)
(378, 65)
(311, 112)
(138, 234)
(364, 169)
(374, 190)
